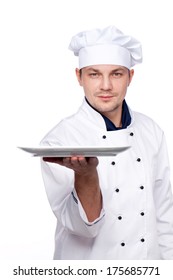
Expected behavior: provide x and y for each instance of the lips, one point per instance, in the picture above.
(105, 97)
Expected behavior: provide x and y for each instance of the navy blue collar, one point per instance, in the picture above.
(126, 118)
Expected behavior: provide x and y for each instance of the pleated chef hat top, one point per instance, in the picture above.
(106, 46)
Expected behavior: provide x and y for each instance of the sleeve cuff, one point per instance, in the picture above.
(82, 212)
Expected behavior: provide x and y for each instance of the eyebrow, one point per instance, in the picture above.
(114, 70)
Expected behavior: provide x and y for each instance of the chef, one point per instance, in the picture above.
(117, 207)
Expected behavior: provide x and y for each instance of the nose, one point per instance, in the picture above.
(106, 83)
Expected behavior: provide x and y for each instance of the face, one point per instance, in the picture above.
(105, 87)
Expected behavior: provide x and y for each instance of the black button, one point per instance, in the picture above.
(142, 240)
(138, 159)
(142, 213)
(117, 190)
(113, 162)
(104, 136)
(141, 187)
(122, 244)
(131, 133)
(119, 218)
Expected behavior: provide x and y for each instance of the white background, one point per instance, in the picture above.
(38, 88)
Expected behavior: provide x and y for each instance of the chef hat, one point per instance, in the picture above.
(106, 46)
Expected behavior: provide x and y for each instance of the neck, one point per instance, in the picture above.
(115, 116)
(120, 117)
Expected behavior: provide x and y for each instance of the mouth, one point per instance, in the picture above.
(105, 97)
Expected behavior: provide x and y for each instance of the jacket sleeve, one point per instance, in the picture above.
(164, 203)
(59, 185)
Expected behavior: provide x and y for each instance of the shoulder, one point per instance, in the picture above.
(146, 125)
(144, 119)
(79, 125)
(58, 132)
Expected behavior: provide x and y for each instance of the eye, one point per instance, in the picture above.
(117, 74)
(94, 75)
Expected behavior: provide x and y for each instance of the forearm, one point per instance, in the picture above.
(86, 183)
(89, 193)
(59, 184)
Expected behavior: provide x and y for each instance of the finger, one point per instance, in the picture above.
(93, 161)
(82, 161)
(57, 160)
(67, 162)
(78, 162)
(75, 162)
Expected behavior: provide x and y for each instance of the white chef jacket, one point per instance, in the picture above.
(136, 221)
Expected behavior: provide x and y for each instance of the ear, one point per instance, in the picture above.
(78, 75)
(131, 74)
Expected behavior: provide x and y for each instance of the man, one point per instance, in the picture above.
(109, 207)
